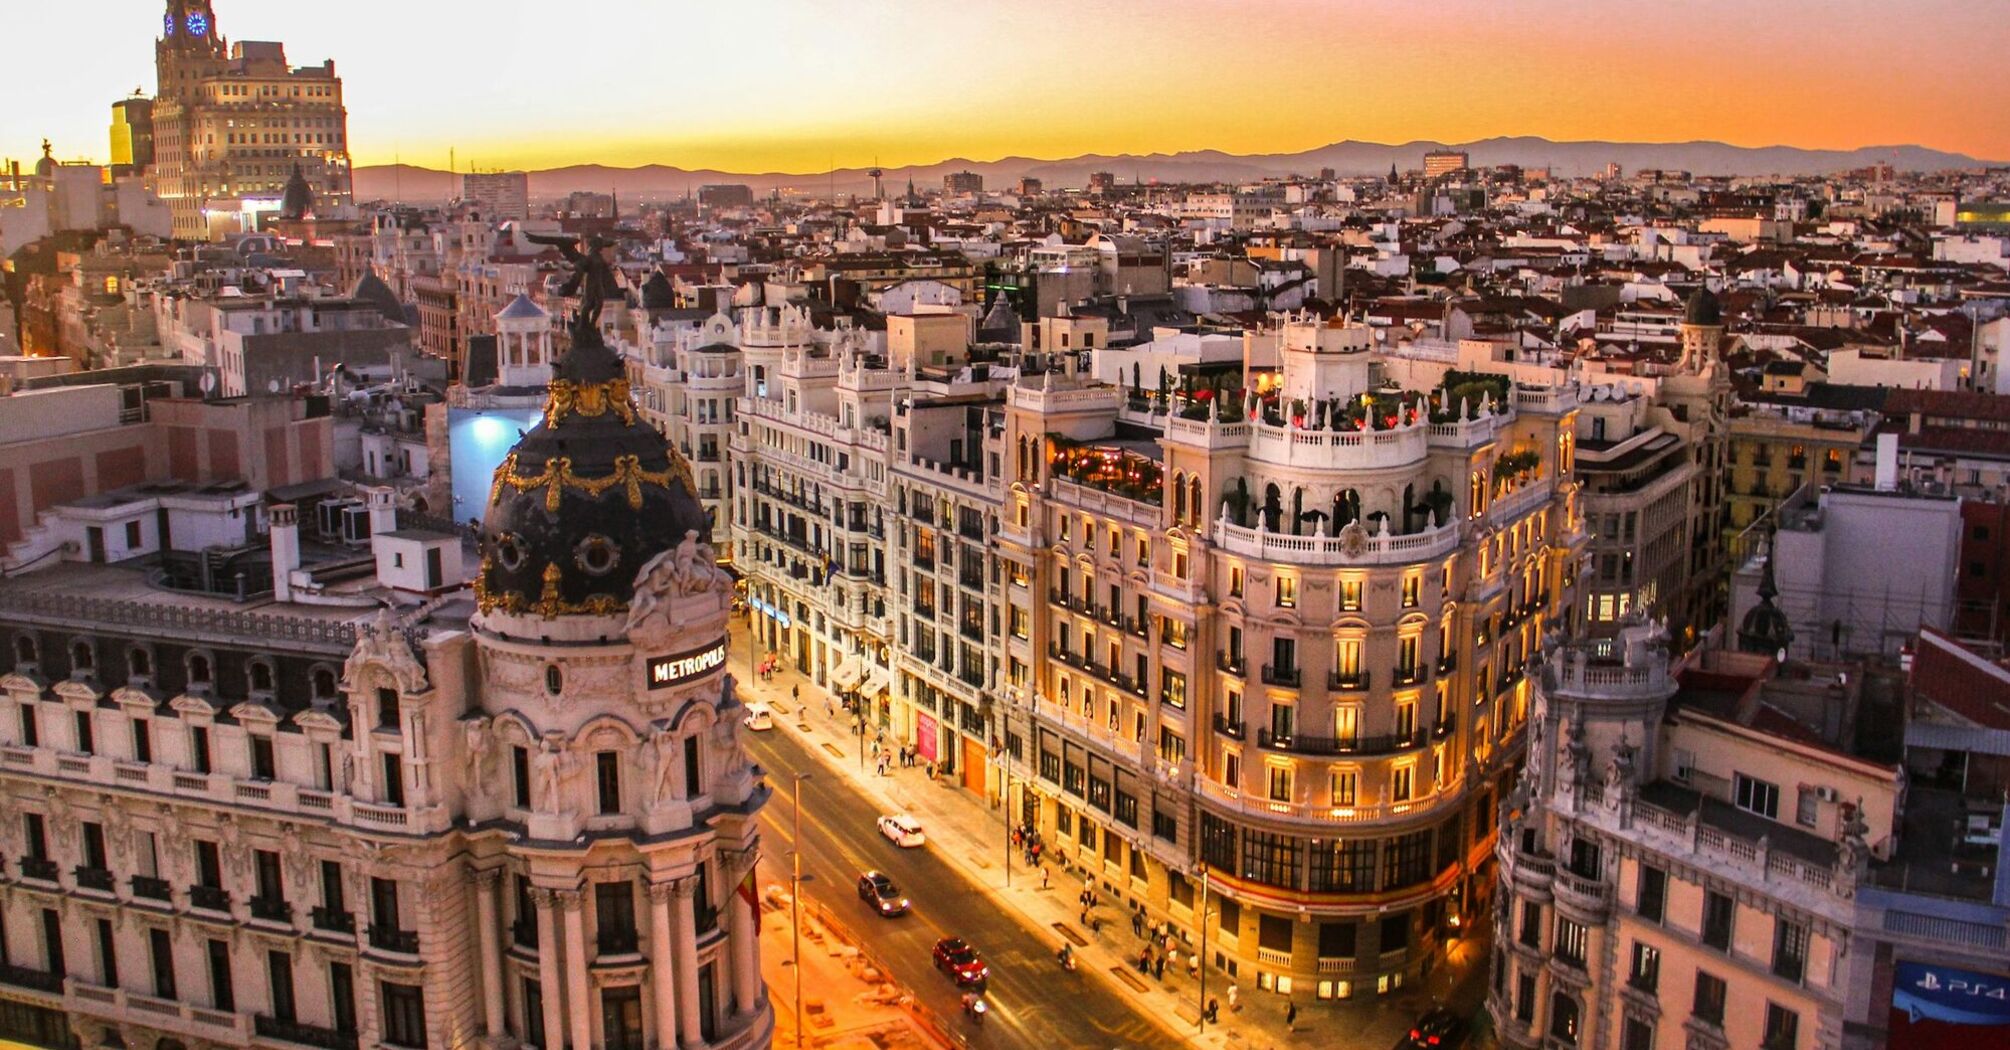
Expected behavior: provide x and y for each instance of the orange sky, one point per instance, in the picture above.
(796, 85)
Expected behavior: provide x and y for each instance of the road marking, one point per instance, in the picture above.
(835, 753)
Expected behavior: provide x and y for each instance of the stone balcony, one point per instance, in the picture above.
(271, 797)
(1380, 548)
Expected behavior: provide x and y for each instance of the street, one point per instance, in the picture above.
(1034, 1003)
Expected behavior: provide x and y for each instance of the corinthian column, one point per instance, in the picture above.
(744, 929)
(492, 979)
(576, 988)
(685, 929)
(662, 975)
(549, 987)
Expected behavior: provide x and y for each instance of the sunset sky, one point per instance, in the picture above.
(797, 85)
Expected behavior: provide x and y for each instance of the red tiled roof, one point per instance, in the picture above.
(1948, 674)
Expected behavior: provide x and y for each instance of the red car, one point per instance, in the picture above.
(959, 960)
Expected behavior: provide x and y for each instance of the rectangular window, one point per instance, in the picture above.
(108, 954)
(1645, 973)
(1413, 589)
(1783, 1028)
(1406, 859)
(160, 949)
(1235, 581)
(1759, 796)
(342, 996)
(404, 1010)
(1805, 807)
(1719, 914)
(1345, 783)
(1653, 896)
(199, 748)
(387, 709)
(1172, 689)
(86, 744)
(607, 780)
(143, 740)
(1531, 924)
(1350, 595)
(1637, 1035)
(533, 1013)
(1165, 826)
(279, 974)
(1570, 941)
(394, 780)
(263, 765)
(1401, 782)
(222, 990)
(208, 865)
(384, 903)
(614, 916)
(693, 775)
(1709, 1004)
(519, 766)
(1287, 592)
(1790, 950)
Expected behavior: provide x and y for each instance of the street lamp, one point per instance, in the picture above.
(1201, 1024)
(796, 899)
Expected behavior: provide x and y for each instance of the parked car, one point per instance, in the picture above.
(759, 716)
(905, 831)
(1438, 1029)
(876, 889)
(959, 960)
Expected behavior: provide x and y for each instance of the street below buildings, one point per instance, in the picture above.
(1033, 1002)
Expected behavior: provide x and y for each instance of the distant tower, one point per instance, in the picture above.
(1765, 628)
(876, 173)
(1702, 329)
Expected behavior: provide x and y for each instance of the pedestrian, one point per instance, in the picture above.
(1085, 916)
(1233, 1006)
(1213, 1010)
(1144, 960)
(1192, 965)
(796, 693)
(1291, 1017)
(830, 711)
(1159, 968)
(1137, 925)
(1043, 877)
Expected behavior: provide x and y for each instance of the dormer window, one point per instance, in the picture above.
(261, 676)
(82, 659)
(323, 681)
(387, 709)
(199, 674)
(24, 649)
(139, 663)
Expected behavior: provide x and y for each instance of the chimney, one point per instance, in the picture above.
(1887, 462)
(383, 509)
(285, 549)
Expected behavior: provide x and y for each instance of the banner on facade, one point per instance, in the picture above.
(925, 735)
(1941, 1006)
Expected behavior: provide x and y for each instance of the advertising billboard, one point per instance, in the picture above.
(1939, 1007)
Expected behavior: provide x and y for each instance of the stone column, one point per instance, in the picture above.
(662, 975)
(577, 990)
(744, 930)
(486, 914)
(548, 978)
(685, 930)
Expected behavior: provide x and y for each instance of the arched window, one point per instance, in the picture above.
(24, 649)
(1194, 500)
(554, 680)
(323, 683)
(1179, 497)
(1563, 1018)
(261, 676)
(198, 669)
(138, 663)
(81, 656)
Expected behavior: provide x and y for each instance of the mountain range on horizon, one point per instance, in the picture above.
(411, 183)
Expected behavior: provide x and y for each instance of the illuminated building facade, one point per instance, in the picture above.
(232, 123)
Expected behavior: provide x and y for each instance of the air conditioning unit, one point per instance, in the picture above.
(1826, 794)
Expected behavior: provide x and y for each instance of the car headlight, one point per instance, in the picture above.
(903, 902)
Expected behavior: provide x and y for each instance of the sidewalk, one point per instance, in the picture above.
(852, 1005)
(967, 832)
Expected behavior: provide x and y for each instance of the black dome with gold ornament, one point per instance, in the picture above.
(586, 498)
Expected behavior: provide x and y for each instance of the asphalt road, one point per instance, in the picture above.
(1034, 1003)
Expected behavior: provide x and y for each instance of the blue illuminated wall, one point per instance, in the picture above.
(477, 441)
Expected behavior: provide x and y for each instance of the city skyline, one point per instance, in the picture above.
(774, 89)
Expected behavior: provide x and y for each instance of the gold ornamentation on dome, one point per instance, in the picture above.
(588, 399)
(549, 605)
(557, 476)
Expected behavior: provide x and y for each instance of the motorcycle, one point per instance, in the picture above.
(974, 1008)
(1067, 960)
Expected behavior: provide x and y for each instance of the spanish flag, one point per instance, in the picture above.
(750, 894)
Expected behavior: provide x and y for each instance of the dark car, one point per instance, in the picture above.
(959, 960)
(1439, 1029)
(879, 891)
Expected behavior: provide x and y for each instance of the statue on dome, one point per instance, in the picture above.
(593, 279)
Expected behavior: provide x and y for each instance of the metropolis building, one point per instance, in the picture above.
(516, 815)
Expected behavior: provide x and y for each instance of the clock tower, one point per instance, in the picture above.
(189, 48)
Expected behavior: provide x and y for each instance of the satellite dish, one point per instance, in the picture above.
(273, 386)
(208, 383)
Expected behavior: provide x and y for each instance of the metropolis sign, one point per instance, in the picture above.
(668, 671)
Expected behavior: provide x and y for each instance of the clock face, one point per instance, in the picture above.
(198, 23)
(167, 25)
